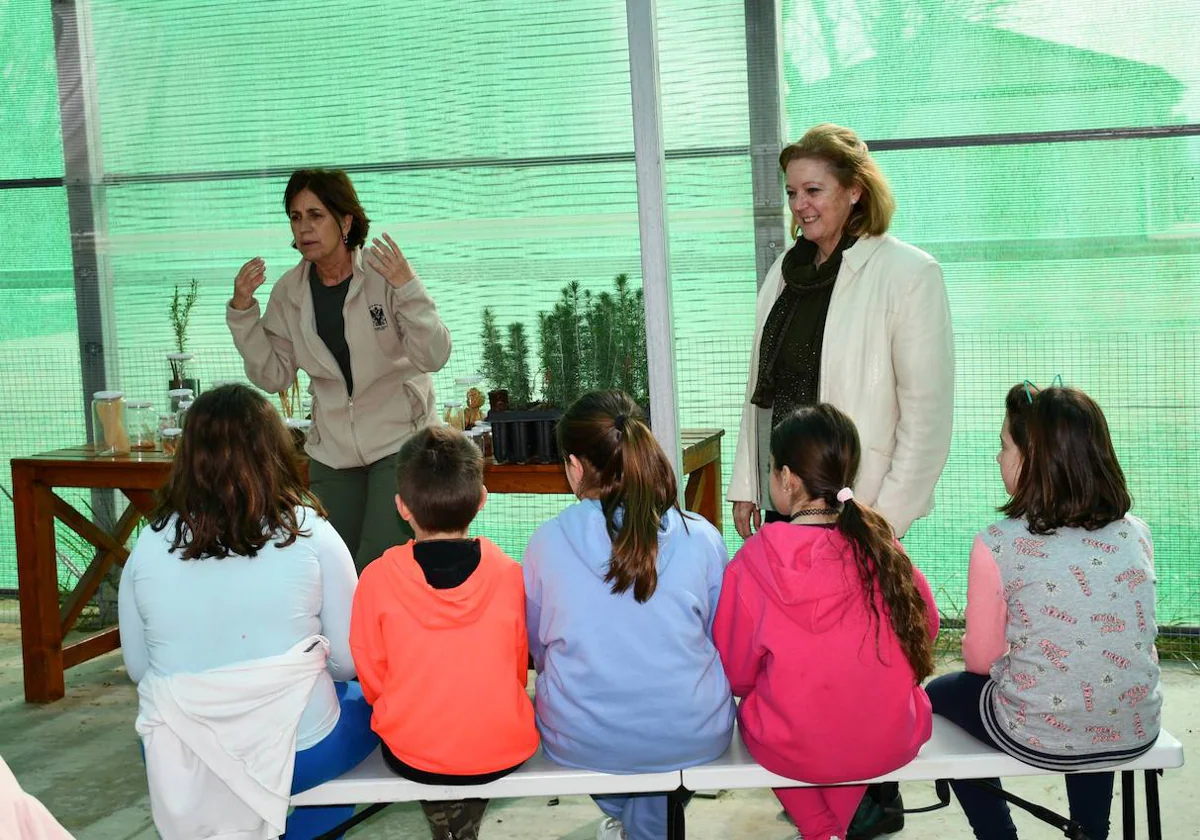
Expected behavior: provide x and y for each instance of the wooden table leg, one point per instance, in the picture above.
(37, 583)
(702, 494)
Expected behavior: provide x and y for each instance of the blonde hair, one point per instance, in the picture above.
(851, 163)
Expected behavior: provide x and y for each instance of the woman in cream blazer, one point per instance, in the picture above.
(887, 349)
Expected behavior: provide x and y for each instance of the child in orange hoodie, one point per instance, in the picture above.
(438, 637)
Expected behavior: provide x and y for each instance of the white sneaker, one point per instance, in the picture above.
(610, 829)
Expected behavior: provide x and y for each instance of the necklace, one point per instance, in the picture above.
(812, 512)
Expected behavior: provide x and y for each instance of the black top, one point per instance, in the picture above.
(793, 335)
(328, 302)
(447, 563)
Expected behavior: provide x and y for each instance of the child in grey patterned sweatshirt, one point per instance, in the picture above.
(1059, 645)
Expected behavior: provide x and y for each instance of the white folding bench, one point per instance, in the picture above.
(372, 782)
(950, 754)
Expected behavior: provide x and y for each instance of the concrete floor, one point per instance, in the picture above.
(80, 757)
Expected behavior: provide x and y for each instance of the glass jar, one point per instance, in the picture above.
(175, 395)
(453, 414)
(108, 423)
(476, 437)
(484, 430)
(140, 425)
(184, 405)
(298, 427)
(166, 421)
(170, 440)
(473, 400)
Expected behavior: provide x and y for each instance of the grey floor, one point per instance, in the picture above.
(80, 757)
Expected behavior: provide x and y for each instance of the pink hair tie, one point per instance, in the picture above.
(845, 494)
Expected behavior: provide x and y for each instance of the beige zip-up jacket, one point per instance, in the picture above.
(396, 341)
(887, 361)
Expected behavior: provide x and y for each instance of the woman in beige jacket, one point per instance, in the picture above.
(854, 317)
(363, 327)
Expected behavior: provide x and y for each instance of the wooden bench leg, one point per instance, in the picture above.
(1153, 815)
(1128, 830)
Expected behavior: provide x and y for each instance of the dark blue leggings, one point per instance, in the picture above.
(1089, 795)
(341, 750)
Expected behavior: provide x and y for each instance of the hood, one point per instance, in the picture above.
(808, 571)
(583, 530)
(401, 576)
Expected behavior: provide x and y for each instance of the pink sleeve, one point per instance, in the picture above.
(734, 634)
(931, 607)
(987, 612)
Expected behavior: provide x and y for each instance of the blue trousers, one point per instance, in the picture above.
(341, 750)
(643, 815)
(1089, 795)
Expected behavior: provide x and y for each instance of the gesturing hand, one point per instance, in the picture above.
(249, 278)
(389, 261)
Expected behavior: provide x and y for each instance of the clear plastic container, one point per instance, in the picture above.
(166, 421)
(140, 425)
(170, 440)
(108, 423)
(453, 414)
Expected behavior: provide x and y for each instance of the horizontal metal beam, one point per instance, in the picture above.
(1029, 138)
(903, 144)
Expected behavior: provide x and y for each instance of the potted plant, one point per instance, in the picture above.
(585, 343)
(181, 313)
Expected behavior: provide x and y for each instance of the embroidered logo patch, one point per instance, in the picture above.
(378, 317)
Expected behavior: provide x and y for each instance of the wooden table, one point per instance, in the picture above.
(44, 624)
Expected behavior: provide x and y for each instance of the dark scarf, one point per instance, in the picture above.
(803, 279)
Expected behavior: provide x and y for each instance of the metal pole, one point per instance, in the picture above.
(85, 202)
(762, 83)
(652, 224)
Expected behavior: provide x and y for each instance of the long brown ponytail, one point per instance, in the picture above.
(820, 446)
(626, 469)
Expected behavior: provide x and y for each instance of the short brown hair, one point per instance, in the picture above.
(1070, 477)
(852, 164)
(439, 476)
(336, 191)
(629, 472)
(236, 482)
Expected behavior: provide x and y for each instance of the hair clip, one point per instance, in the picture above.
(1030, 390)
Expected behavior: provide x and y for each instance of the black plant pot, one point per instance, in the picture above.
(522, 437)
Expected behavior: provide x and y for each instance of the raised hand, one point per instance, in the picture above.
(249, 278)
(387, 259)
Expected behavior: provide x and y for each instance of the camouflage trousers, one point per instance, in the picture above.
(457, 819)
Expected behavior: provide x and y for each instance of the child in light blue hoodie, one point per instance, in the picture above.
(621, 591)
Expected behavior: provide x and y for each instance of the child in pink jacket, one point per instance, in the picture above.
(825, 630)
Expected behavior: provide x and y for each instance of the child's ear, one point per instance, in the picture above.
(787, 479)
(403, 510)
(482, 498)
(574, 469)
